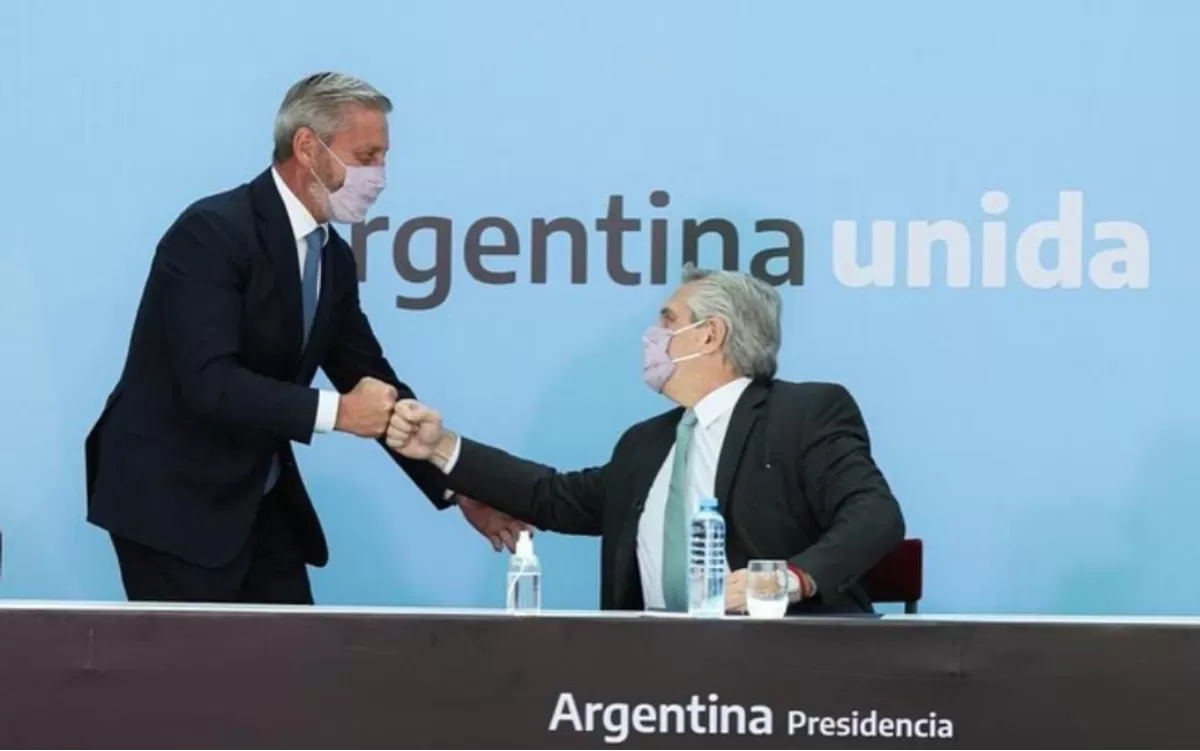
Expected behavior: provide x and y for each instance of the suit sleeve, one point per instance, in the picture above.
(567, 502)
(202, 305)
(855, 507)
(357, 354)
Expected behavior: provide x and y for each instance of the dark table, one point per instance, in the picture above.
(114, 676)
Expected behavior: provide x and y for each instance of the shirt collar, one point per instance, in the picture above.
(720, 401)
(300, 218)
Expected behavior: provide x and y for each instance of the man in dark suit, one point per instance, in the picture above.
(789, 463)
(190, 467)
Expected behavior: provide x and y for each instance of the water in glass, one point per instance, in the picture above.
(766, 589)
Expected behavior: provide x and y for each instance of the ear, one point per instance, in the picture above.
(714, 339)
(304, 146)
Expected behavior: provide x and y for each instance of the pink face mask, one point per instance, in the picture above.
(657, 365)
(350, 203)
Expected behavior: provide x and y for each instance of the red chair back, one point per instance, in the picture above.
(898, 577)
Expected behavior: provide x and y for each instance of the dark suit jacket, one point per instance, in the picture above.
(216, 381)
(795, 481)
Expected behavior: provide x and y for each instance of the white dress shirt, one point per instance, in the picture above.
(712, 422)
(303, 223)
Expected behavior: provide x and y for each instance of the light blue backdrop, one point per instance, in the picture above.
(1043, 441)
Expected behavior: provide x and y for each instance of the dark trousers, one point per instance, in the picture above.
(270, 569)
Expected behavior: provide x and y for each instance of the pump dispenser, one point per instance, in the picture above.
(525, 545)
(524, 596)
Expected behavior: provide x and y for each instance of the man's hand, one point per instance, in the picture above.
(735, 589)
(414, 430)
(735, 592)
(501, 529)
(365, 411)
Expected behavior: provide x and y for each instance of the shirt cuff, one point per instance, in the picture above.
(448, 467)
(327, 409)
(801, 584)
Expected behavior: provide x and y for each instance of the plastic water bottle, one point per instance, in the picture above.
(524, 578)
(706, 561)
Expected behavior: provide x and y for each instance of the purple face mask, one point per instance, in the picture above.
(657, 365)
(350, 203)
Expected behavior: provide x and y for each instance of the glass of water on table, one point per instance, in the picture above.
(766, 589)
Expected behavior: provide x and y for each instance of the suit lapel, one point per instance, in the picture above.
(647, 461)
(650, 459)
(741, 423)
(275, 232)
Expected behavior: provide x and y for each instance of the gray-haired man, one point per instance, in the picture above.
(190, 467)
(789, 464)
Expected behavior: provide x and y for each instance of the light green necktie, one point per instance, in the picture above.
(675, 538)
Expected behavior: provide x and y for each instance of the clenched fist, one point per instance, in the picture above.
(365, 411)
(415, 430)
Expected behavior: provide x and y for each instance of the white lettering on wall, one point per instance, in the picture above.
(1059, 253)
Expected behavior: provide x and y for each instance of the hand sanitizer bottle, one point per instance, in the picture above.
(524, 578)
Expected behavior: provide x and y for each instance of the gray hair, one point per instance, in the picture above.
(317, 102)
(750, 308)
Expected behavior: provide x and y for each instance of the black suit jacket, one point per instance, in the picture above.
(795, 481)
(216, 381)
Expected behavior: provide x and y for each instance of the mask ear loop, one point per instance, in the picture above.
(690, 326)
(313, 172)
(335, 156)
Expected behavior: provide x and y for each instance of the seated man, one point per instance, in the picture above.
(789, 463)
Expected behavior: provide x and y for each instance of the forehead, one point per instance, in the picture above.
(675, 308)
(362, 129)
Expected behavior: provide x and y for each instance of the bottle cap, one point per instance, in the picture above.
(524, 544)
(708, 504)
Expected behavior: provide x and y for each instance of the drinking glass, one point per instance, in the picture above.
(766, 589)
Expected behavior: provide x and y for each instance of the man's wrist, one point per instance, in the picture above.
(341, 411)
(444, 450)
(800, 585)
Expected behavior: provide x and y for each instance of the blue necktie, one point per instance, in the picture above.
(308, 284)
(675, 521)
(315, 240)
